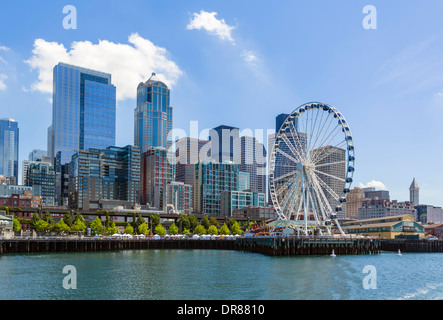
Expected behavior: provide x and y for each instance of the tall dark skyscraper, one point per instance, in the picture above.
(225, 140)
(83, 111)
(9, 137)
(152, 115)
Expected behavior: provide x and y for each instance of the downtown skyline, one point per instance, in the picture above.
(226, 68)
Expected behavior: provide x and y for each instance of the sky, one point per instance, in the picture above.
(241, 63)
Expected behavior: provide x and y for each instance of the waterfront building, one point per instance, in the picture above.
(243, 181)
(379, 208)
(253, 161)
(429, 214)
(211, 179)
(233, 200)
(153, 115)
(331, 168)
(188, 152)
(255, 213)
(373, 194)
(179, 195)
(83, 111)
(387, 227)
(414, 193)
(157, 170)
(9, 147)
(22, 200)
(354, 201)
(41, 176)
(104, 178)
(225, 144)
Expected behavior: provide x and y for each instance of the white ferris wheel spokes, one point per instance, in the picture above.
(311, 167)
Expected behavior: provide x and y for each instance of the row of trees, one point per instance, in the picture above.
(184, 225)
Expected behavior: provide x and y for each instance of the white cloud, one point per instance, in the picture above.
(3, 77)
(249, 56)
(374, 184)
(129, 64)
(209, 22)
(3, 48)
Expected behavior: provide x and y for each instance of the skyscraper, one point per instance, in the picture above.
(157, 170)
(188, 152)
(104, 178)
(225, 142)
(83, 111)
(253, 161)
(333, 173)
(211, 179)
(414, 192)
(9, 137)
(152, 115)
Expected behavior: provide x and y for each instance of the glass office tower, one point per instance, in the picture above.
(83, 111)
(9, 134)
(152, 115)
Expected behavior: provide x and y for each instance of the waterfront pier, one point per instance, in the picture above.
(272, 246)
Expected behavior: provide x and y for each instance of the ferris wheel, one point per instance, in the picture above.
(311, 168)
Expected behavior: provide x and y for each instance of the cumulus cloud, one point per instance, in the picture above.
(129, 64)
(3, 78)
(374, 184)
(208, 21)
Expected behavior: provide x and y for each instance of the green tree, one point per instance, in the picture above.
(212, 230)
(193, 221)
(78, 216)
(214, 222)
(67, 218)
(144, 228)
(34, 219)
(160, 230)
(224, 229)
(205, 222)
(186, 232)
(129, 229)
(112, 228)
(97, 226)
(236, 229)
(78, 225)
(200, 229)
(155, 220)
(183, 222)
(231, 222)
(16, 226)
(42, 225)
(173, 229)
(61, 226)
(48, 218)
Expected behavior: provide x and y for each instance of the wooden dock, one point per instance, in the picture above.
(404, 245)
(290, 246)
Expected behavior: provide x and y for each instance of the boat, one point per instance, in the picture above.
(333, 254)
(399, 252)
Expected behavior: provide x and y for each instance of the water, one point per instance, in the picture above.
(217, 274)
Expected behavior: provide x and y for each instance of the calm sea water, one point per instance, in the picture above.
(216, 275)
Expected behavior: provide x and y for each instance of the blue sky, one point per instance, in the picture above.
(241, 63)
